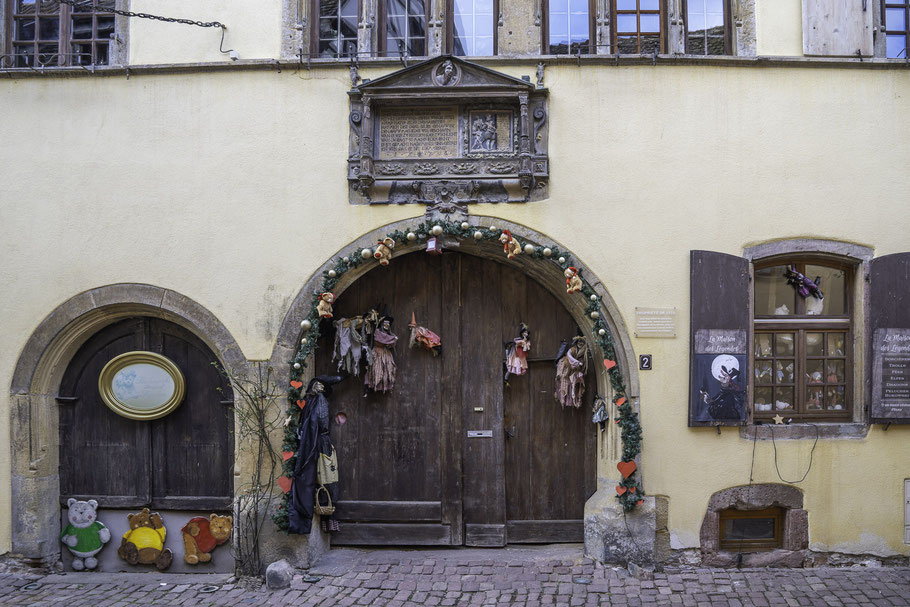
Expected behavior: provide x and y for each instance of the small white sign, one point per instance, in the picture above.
(480, 434)
(655, 322)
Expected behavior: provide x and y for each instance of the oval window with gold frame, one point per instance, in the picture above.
(141, 385)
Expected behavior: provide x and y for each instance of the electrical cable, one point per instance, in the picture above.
(739, 554)
(811, 454)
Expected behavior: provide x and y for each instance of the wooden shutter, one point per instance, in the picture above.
(720, 318)
(890, 323)
(837, 28)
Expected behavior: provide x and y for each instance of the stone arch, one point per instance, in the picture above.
(608, 534)
(37, 375)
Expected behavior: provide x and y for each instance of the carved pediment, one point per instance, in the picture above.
(448, 125)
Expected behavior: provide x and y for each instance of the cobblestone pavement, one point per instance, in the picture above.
(552, 575)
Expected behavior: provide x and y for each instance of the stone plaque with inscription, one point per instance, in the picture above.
(446, 133)
(655, 322)
(891, 376)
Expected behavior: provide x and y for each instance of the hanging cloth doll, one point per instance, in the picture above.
(517, 353)
(348, 345)
(380, 376)
(571, 367)
(421, 336)
(313, 434)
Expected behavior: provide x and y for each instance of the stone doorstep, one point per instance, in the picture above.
(136, 579)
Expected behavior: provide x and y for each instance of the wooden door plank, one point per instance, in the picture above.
(388, 534)
(516, 396)
(365, 511)
(491, 536)
(451, 423)
(546, 532)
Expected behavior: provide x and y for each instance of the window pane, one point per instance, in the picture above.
(763, 399)
(51, 6)
(396, 7)
(483, 26)
(578, 6)
(716, 45)
(328, 8)
(783, 399)
(783, 370)
(626, 44)
(48, 54)
(650, 23)
(25, 29)
(783, 344)
(763, 345)
(578, 28)
(26, 6)
(417, 47)
(395, 27)
(833, 285)
(626, 5)
(626, 23)
(814, 398)
(749, 529)
(349, 29)
(834, 372)
(82, 54)
(328, 28)
(483, 7)
(714, 6)
(417, 28)
(349, 8)
(82, 27)
(715, 21)
(696, 45)
(559, 26)
(328, 48)
(650, 43)
(836, 344)
(696, 18)
(101, 53)
(897, 46)
(49, 28)
(773, 296)
(649, 5)
(815, 344)
(25, 55)
(814, 371)
(834, 398)
(763, 372)
(483, 45)
(896, 19)
(416, 7)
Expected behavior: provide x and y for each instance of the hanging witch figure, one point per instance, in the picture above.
(571, 367)
(380, 376)
(517, 353)
(314, 444)
(729, 403)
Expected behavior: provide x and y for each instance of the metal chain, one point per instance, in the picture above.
(94, 6)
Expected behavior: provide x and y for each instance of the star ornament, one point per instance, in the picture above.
(778, 419)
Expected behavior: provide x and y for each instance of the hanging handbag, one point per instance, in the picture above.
(327, 468)
(321, 510)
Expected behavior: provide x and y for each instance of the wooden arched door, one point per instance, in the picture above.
(182, 461)
(453, 456)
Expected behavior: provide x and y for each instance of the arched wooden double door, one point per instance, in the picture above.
(453, 456)
(183, 461)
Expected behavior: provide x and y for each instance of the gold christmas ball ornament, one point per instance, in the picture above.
(547, 251)
(296, 365)
(306, 325)
(332, 273)
(562, 260)
(593, 297)
(366, 253)
(595, 314)
(346, 260)
(411, 236)
(529, 248)
(602, 332)
(437, 230)
(478, 234)
(492, 228)
(465, 225)
(303, 341)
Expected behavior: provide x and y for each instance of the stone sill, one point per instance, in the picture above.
(529, 60)
(803, 431)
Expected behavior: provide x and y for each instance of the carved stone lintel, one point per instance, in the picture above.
(452, 211)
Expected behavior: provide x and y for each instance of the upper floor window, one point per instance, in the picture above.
(706, 31)
(472, 30)
(803, 340)
(897, 32)
(403, 28)
(46, 33)
(336, 35)
(569, 27)
(638, 26)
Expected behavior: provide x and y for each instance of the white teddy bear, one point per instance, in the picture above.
(84, 535)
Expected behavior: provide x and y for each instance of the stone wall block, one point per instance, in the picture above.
(612, 536)
(796, 530)
(709, 532)
(36, 521)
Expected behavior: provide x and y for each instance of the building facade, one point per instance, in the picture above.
(725, 175)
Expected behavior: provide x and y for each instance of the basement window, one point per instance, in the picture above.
(751, 530)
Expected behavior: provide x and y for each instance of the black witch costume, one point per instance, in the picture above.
(313, 437)
(730, 402)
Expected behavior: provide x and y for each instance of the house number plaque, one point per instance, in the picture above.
(480, 434)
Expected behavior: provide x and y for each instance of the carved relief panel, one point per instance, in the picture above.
(448, 130)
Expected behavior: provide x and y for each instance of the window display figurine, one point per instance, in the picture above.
(421, 336)
(380, 377)
(803, 285)
(84, 535)
(573, 282)
(324, 307)
(384, 251)
(571, 367)
(510, 246)
(517, 353)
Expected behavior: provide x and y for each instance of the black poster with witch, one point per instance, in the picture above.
(719, 376)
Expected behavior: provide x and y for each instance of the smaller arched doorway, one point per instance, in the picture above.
(182, 461)
(453, 455)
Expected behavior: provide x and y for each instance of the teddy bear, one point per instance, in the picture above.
(324, 307)
(144, 542)
(84, 535)
(510, 246)
(573, 282)
(201, 535)
(384, 251)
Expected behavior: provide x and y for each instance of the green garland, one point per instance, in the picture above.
(627, 420)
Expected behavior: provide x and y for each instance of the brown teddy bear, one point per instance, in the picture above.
(144, 542)
(324, 307)
(510, 245)
(201, 535)
(573, 282)
(384, 251)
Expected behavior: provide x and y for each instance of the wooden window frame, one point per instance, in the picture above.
(65, 41)
(450, 27)
(382, 51)
(545, 29)
(799, 324)
(740, 545)
(728, 29)
(905, 4)
(662, 35)
(314, 29)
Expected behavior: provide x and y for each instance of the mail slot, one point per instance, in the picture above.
(480, 434)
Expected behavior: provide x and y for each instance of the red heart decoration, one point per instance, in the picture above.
(631, 489)
(609, 364)
(287, 455)
(296, 384)
(640, 502)
(616, 421)
(620, 401)
(626, 468)
(301, 403)
(620, 489)
(285, 483)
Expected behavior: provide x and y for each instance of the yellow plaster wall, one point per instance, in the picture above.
(779, 27)
(230, 189)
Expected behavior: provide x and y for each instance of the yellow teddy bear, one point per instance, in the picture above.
(144, 542)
